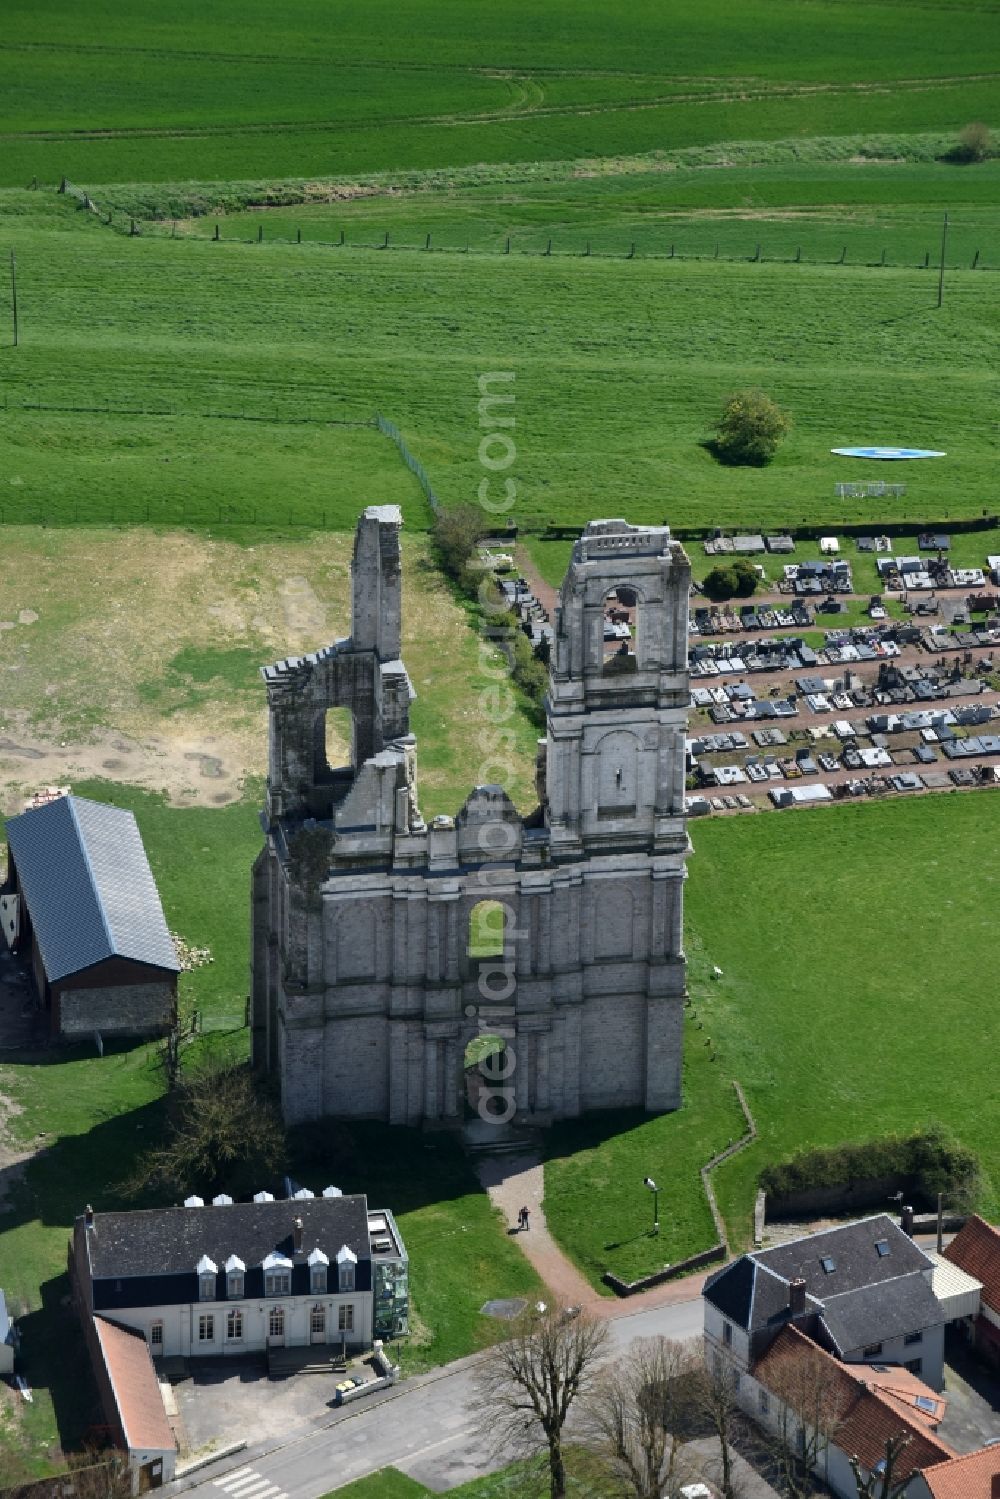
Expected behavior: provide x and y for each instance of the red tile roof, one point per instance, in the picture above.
(862, 1419)
(976, 1250)
(974, 1476)
(902, 1390)
(135, 1386)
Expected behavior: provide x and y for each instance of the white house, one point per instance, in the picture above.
(236, 1278)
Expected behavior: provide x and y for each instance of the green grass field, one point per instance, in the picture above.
(818, 209)
(853, 943)
(113, 94)
(621, 368)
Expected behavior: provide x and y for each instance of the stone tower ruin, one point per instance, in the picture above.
(369, 980)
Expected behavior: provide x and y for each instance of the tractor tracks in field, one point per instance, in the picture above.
(528, 100)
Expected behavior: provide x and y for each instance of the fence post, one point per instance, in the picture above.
(427, 243)
(883, 257)
(298, 236)
(756, 253)
(631, 252)
(260, 234)
(216, 234)
(716, 255)
(506, 248)
(927, 259)
(975, 260)
(341, 236)
(671, 252)
(843, 255)
(798, 254)
(385, 242)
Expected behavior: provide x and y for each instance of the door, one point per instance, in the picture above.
(276, 1327)
(317, 1325)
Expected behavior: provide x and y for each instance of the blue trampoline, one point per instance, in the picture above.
(888, 453)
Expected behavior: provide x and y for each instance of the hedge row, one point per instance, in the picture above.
(932, 1160)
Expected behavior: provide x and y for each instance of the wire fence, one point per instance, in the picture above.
(754, 253)
(133, 511)
(413, 464)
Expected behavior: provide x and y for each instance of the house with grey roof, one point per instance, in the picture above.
(862, 1290)
(81, 903)
(228, 1278)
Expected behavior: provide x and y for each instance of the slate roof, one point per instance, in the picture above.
(88, 887)
(865, 1298)
(863, 1420)
(135, 1387)
(875, 1314)
(973, 1476)
(171, 1241)
(976, 1250)
(856, 1259)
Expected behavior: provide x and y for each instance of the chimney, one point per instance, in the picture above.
(88, 1216)
(906, 1220)
(298, 1235)
(796, 1297)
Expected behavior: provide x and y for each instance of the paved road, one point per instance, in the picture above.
(428, 1427)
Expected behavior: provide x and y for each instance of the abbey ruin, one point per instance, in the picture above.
(369, 981)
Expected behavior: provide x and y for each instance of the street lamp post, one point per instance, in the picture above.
(650, 1183)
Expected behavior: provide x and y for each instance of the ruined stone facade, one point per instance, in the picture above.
(367, 988)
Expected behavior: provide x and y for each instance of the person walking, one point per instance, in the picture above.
(523, 1219)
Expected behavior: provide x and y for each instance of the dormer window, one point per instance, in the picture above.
(319, 1267)
(206, 1270)
(235, 1271)
(277, 1275)
(347, 1262)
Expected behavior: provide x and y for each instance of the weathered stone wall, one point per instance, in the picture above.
(365, 992)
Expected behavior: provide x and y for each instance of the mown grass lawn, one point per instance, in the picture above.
(620, 373)
(526, 1479)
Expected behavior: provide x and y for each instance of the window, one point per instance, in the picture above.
(234, 1327)
(882, 1248)
(345, 1319)
(156, 1337)
(278, 1283)
(276, 1322)
(829, 1264)
(234, 1285)
(913, 1337)
(764, 1401)
(727, 1334)
(206, 1328)
(915, 1365)
(317, 1280)
(206, 1287)
(872, 1351)
(346, 1277)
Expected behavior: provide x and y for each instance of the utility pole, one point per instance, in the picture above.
(944, 241)
(13, 292)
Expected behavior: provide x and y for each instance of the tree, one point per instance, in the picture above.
(731, 579)
(881, 1485)
(637, 1413)
(808, 1390)
(975, 143)
(713, 1389)
(456, 533)
(217, 1120)
(750, 428)
(531, 1379)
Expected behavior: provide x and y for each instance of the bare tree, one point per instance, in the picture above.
(808, 1390)
(531, 1379)
(714, 1388)
(883, 1485)
(637, 1412)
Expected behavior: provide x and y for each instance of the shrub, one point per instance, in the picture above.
(750, 428)
(975, 143)
(932, 1159)
(456, 533)
(733, 579)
